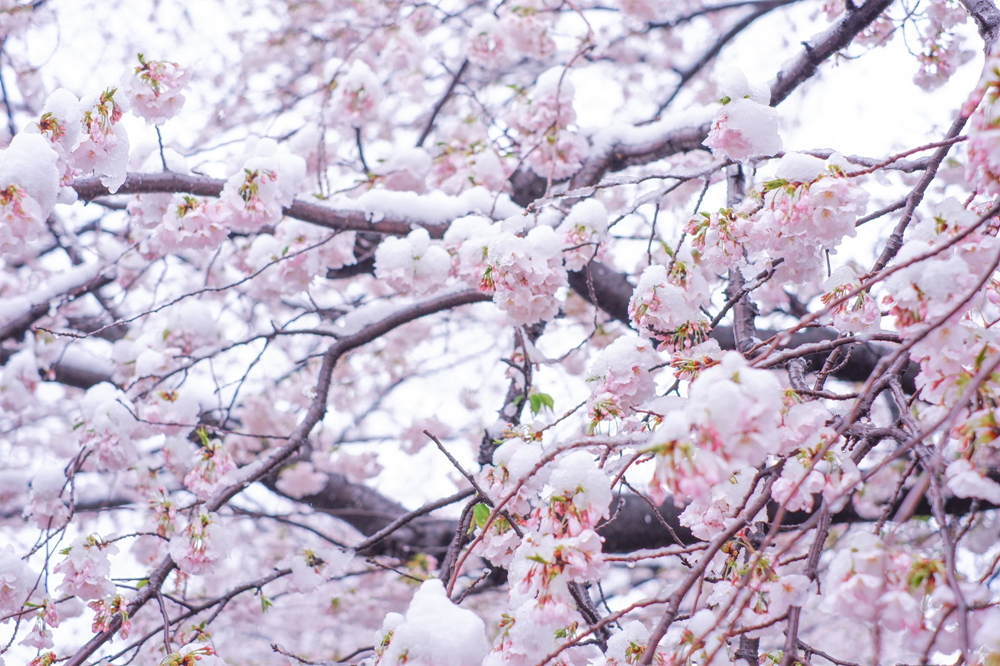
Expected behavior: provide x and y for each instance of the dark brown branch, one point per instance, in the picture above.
(803, 67)
(89, 189)
(17, 327)
(760, 9)
(441, 102)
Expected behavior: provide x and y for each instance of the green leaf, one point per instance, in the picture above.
(480, 514)
(142, 583)
(775, 184)
(539, 400)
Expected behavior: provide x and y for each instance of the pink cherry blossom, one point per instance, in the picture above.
(155, 89)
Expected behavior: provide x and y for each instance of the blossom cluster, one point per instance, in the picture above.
(525, 273)
(730, 422)
(560, 548)
(73, 137)
(983, 110)
(543, 118)
(940, 295)
(745, 126)
(521, 30)
(156, 89)
(467, 158)
(942, 50)
(412, 264)
(622, 379)
(809, 207)
(666, 304)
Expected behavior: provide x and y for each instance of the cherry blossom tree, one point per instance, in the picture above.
(500, 332)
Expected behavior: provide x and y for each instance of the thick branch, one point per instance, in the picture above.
(987, 18)
(833, 40)
(89, 189)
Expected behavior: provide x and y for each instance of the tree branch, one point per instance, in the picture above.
(987, 17)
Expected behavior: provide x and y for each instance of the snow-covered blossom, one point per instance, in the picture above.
(434, 632)
(60, 124)
(525, 274)
(467, 240)
(46, 507)
(513, 461)
(688, 363)
(627, 646)
(665, 305)
(107, 423)
(809, 206)
(406, 170)
(579, 496)
(267, 183)
(559, 155)
(715, 239)
(584, 232)
(200, 545)
(488, 43)
(746, 126)
(191, 224)
(730, 422)
(193, 654)
(467, 158)
(18, 380)
(16, 581)
(87, 569)
(413, 264)
(528, 28)
(356, 95)
(543, 119)
(311, 568)
(740, 405)
(29, 181)
(105, 146)
(155, 89)
(622, 381)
